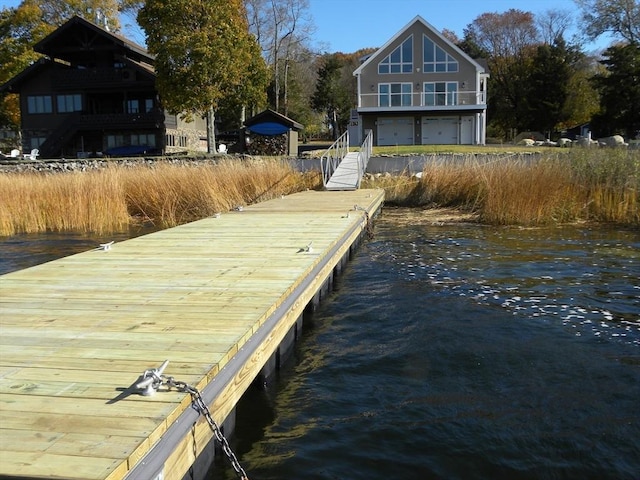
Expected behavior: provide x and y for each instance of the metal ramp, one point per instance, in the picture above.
(343, 170)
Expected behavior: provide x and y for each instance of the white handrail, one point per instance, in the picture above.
(333, 156)
(364, 155)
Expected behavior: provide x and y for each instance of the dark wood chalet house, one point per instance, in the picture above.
(94, 91)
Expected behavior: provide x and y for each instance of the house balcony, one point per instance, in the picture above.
(419, 101)
(149, 120)
(92, 78)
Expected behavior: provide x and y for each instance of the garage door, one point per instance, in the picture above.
(440, 130)
(395, 131)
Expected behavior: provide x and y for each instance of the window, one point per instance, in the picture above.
(115, 141)
(139, 105)
(176, 140)
(39, 104)
(69, 103)
(394, 94)
(440, 93)
(35, 142)
(133, 106)
(400, 60)
(143, 139)
(436, 59)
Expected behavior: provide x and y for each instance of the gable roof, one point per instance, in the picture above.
(433, 30)
(62, 42)
(271, 116)
(56, 43)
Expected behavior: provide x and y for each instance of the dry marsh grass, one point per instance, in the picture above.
(581, 185)
(166, 195)
(77, 201)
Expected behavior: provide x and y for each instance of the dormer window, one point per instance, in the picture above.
(436, 59)
(400, 60)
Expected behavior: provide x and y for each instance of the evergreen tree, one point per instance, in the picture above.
(548, 86)
(330, 96)
(619, 92)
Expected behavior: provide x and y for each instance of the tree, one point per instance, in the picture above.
(301, 84)
(510, 39)
(504, 34)
(103, 12)
(20, 29)
(619, 90)
(330, 96)
(553, 24)
(618, 17)
(583, 100)
(471, 48)
(204, 54)
(548, 86)
(283, 28)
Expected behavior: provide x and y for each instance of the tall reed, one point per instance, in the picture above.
(584, 185)
(166, 195)
(87, 202)
(610, 182)
(170, 195)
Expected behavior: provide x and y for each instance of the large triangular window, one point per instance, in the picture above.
(436, 59)
(400, 60)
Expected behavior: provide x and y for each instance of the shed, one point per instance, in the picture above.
(272, 133)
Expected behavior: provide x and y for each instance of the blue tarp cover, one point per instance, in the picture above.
(268, 128)
(130, 150)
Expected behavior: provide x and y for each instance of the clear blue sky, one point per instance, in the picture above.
(349, 25)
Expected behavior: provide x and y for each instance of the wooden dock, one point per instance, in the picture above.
(216, 297)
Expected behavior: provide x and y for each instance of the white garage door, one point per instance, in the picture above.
(395, 131)
(440, 130)
(466, 130)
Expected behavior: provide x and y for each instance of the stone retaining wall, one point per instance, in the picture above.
(89, 164)
(407, 164)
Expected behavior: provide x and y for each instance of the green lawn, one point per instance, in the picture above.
(316, 149)
(430, 149)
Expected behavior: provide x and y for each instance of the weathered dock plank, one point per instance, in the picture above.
(215, 297)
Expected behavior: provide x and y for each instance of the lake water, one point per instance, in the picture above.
(450, 352)
(462, 352)
(26, 250)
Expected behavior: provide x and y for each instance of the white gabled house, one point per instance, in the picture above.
(420, 89)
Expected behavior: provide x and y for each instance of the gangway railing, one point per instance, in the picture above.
(334, 156)
(364, 154)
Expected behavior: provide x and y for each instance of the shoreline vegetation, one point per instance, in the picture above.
(581, 185)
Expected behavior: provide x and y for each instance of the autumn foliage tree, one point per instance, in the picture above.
(204, 54)
(20, 29)
(620, 18)
(508, 38)
(538, 82)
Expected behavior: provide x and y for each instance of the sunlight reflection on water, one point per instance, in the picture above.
(451, 351)
(462, 352)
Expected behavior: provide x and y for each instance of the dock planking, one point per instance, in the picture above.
(78, 331)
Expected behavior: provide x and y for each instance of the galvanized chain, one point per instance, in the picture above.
(369, 223)
(202, 408)
(369, 228)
